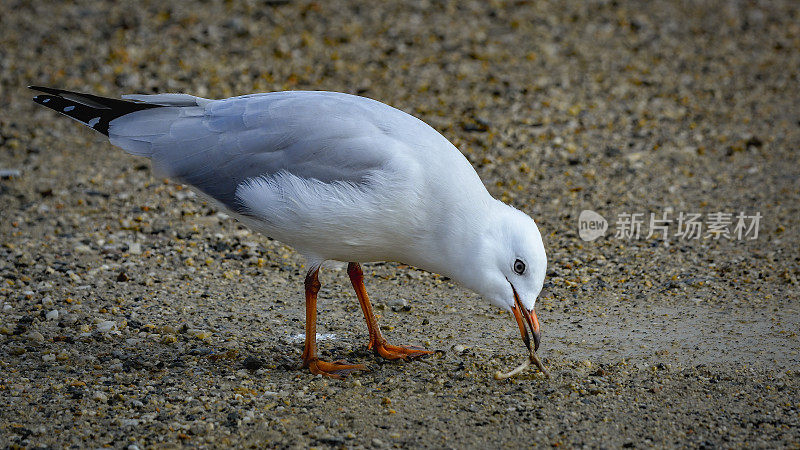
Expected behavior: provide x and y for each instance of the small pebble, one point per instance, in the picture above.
(397, 303)
(106, 326)
(35, 336)
(6, 174)
(17, 350)
(198, 334)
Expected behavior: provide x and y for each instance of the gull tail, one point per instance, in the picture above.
(91, 110)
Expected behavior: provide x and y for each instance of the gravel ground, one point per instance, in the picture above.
(133, 314)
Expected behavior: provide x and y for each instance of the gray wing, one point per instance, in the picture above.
(215, 146)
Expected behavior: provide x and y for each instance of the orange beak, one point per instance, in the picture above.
(523, 317)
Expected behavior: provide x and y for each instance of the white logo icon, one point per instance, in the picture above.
(591, 225)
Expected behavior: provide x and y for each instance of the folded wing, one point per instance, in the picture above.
(216, 146)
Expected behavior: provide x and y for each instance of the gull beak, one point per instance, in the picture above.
(523, 317)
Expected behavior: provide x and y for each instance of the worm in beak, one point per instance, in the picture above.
(525, 317)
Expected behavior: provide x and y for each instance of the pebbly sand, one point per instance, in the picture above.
(133, 315)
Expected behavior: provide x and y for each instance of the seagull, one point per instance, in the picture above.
(337, 177)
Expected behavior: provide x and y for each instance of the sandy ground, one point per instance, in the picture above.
(134, 315)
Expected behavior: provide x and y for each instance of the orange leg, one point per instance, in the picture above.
(315, 365)
(376, 341)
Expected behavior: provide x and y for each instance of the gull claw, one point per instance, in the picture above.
(393, 352)
(337, 369)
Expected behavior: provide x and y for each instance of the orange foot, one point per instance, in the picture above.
(337, 369)
(393, 352)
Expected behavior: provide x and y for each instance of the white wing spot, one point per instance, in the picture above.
(69, 108)
(93, 122)
(45, 100)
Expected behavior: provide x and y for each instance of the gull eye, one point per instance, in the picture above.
(519, 266)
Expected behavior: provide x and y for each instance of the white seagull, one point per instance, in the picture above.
(337, 177)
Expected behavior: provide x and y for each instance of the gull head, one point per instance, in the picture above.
(508, 266)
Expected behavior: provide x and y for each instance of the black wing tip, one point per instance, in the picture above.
(38, 98)
(51, 92)
(42, 99)
(91, 110)
(59, 92)
(45, 89)
(97, 119)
